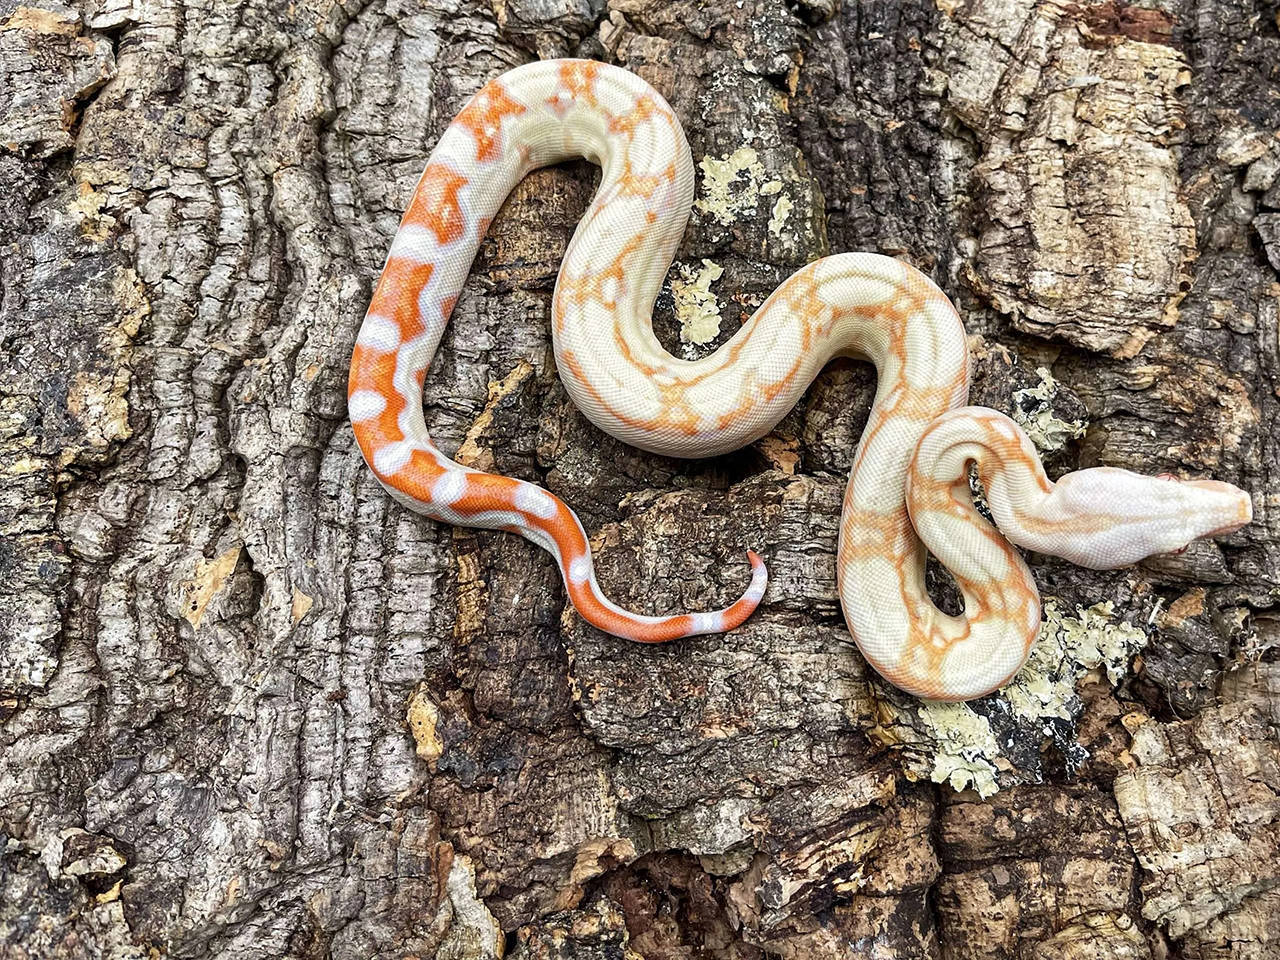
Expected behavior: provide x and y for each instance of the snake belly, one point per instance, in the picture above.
(627, 384)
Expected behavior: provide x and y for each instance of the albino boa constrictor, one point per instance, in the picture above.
(909, 481)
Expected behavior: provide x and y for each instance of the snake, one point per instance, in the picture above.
(908, 492)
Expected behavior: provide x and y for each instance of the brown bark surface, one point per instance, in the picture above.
(250, 707)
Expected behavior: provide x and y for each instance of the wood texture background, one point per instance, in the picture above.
(251, 708)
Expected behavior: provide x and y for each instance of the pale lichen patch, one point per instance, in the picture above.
(966, 747)
(781, 210)
(1033, 410)
(769, 199)
(697, 308)
(732, 185)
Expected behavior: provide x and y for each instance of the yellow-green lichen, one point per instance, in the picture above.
(696, 306)
(732, 185)
(965, 747)
(781, 210)
(1033, 410)
(1069, 647)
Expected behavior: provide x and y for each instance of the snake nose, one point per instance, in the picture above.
(1226, 507)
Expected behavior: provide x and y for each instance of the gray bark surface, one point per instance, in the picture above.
(250, 707)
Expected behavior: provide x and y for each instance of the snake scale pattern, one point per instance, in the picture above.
(908, 492)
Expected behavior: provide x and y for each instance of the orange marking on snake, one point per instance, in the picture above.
(644, 110)
(484, 116)
(435, 203)
(577, 79)
(631, 184)
(396, 295)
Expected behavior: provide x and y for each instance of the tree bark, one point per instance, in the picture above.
(253, 708)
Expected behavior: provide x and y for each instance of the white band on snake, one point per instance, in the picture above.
(908, 488)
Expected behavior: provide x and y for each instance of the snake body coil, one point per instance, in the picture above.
(908, 488)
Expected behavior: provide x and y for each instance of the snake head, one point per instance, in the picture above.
(1112, 518)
